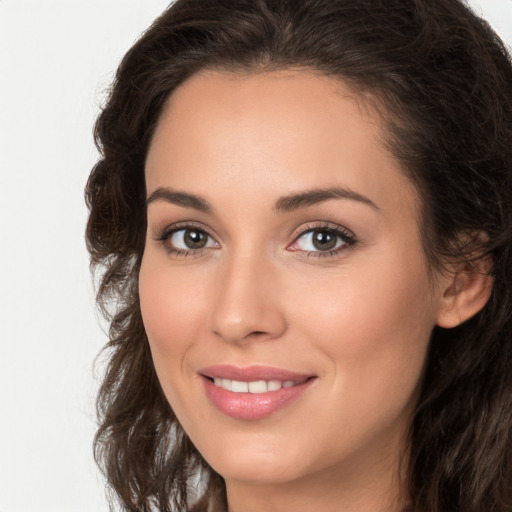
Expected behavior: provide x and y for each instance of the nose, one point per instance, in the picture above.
(247, 305)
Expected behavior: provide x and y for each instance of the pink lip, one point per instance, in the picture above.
(252, 406)
(250, 373)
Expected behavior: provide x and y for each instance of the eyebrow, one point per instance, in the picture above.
(180, 199)
(284, 204)
(314, 196)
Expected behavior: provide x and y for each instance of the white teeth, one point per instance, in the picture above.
(274, 385)
(257, 386)
(239, 387)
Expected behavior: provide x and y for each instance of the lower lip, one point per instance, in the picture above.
(253, 406)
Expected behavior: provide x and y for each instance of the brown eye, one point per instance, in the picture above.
(194, 239)
(320, 240)
(189, 239)
(324, 240)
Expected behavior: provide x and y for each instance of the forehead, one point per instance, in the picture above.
(273, 133)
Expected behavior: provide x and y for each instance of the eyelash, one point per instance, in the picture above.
(349, 240)
(169, 231)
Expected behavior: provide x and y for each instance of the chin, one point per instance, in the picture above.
(255, 465)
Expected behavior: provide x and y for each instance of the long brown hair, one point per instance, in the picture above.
(443, 81)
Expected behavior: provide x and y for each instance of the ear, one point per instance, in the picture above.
(465, 292)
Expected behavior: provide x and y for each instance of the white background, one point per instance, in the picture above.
(56, 61)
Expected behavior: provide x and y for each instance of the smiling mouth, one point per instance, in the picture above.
(255, 386)
(253, 392)
(254, 399)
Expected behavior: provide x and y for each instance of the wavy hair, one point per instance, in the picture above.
(442, 80)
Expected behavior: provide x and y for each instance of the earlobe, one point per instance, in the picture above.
(465, 294)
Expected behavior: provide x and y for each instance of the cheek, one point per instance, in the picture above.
(171, 306)
(360, 307)
(170, 297)
(374, 325)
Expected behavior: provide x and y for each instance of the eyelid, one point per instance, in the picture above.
(347, 236)
(175, 226)
(166, 232)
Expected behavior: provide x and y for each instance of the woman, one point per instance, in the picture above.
(303, 213)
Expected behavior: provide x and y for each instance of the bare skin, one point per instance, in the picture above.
(334, 286)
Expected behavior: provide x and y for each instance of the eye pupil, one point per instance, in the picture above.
(195, 239)
(323, 240)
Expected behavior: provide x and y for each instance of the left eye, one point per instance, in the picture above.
(320, 240)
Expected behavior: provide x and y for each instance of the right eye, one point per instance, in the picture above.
(187, 241)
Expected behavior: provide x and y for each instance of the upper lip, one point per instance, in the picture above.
(251, 373)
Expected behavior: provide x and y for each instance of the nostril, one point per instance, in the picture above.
(238, 322)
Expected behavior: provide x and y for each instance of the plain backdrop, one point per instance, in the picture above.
(57, 59)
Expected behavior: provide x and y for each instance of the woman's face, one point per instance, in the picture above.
(284, 291)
